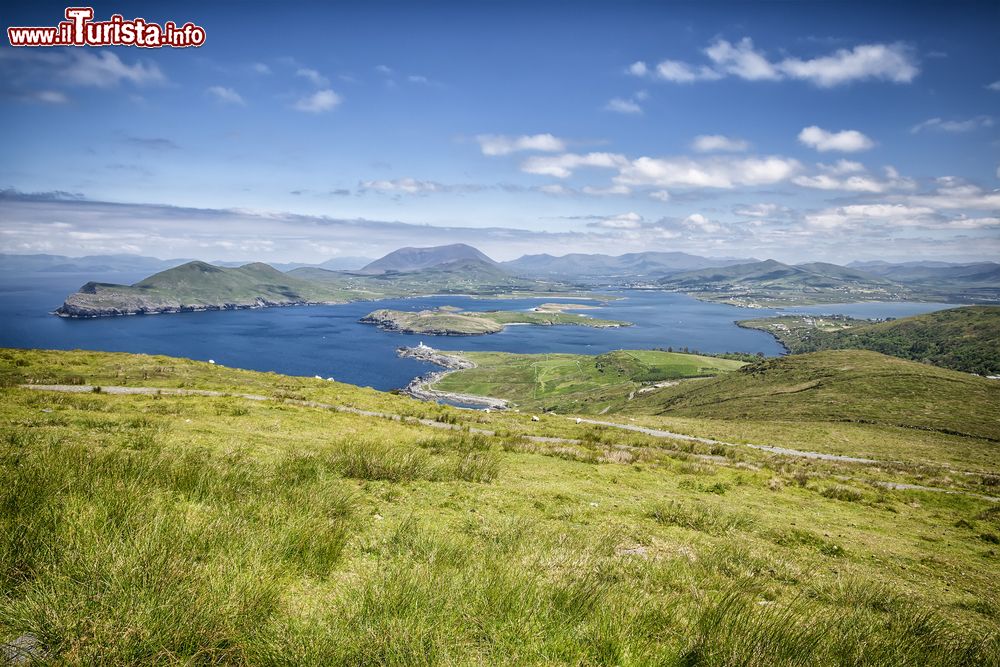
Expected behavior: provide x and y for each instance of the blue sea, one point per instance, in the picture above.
(330, 342)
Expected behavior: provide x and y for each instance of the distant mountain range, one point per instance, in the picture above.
(934, 273)
(772, 283)
(138, 264)
(462, 269)
(89, 264)
(630, 267)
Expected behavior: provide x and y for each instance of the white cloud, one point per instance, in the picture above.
(741, 60)
(678, 72)
(853, 177)
(712, 143)
(314, 77)
(261, 68)
(416, 78)
(953, 125)
(861, 214)
(318, 102)
(716, 172)
(886, 62)
(758, 210)
(865, 216)
(952, 193)
(846, 141)
(47, 97)
(383, 69)
(638, 68)
(603, 192)
(841, 167)
(495, 144)
(412, 186)
(851, 184)
(619, 105)
(698, 222)
(562, 166)
(105, 69)
(404, 185)
(630, 220)
(660, 195)
(227, 95)
(554, 189)
(995, 86)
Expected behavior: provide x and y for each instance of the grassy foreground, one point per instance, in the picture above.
(205, 530)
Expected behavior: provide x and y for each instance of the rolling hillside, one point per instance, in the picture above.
(160, 510)
(576, 383)
(195, 286)
(839, 386)
(964, 339)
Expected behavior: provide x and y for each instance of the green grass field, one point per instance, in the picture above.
(212, 529)
(576, 383)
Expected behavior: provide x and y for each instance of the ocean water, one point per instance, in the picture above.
(330, 342)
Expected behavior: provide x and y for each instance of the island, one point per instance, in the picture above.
(450, 321)
(199, 286)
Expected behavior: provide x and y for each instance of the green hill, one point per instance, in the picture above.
(965, 339)
(839, 386)
(267, 519)
(576, 383)
(195, 286)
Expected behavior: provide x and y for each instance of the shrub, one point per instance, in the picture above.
(699, 517)
(845, 493)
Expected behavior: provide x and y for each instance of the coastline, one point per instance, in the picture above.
(421, 387)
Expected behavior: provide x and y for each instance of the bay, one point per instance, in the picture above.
(330, 342)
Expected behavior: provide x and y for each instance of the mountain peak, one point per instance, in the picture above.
(413, 259)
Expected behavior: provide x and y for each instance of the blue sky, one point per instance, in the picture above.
(799, 131)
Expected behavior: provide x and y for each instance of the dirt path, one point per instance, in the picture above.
(656, 433)
(166, 391)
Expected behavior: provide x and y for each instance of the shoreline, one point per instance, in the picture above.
(258, 306)
(421, 387)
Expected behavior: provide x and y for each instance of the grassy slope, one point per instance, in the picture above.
(575, 382)
(140, 528)
(965, 339)
(853, 386)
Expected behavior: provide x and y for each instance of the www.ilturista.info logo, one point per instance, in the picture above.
(79, 29)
